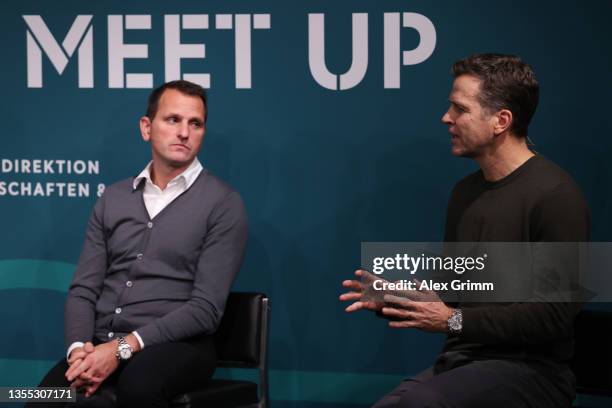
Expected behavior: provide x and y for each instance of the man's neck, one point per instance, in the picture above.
(161, 175)
(504, 158)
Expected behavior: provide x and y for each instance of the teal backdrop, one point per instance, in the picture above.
(320, 170)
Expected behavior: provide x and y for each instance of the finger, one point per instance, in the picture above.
(404, 314)
(92, 376)
(86, 376)
(73, 367)
(76, 359)
(352, 284)
(71, 370)
(350, 296)
(91, 389)
(89, 347)
(77, 370)
(396, 300)
(404, 324)
(97, 378)
(371, 305)
(78, 383)
(366, 276)
(354, 307)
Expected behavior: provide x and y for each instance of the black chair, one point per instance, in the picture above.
(592, 362)
(241, 342)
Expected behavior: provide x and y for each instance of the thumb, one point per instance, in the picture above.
(88, 347)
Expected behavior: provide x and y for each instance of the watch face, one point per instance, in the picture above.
(454, 323)
(125, 353)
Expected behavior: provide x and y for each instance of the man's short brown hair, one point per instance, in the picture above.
(184, 87)
(506, 83)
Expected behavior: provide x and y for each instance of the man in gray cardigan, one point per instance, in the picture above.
(160, 255)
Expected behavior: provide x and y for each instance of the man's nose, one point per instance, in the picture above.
(183, 130)
(446, 119)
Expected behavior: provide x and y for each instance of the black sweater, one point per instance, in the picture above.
(538, 202)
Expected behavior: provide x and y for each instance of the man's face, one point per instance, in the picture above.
(177, 130)
(470, 125)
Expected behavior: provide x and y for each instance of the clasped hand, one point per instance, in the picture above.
(420, 309)
(90, 366)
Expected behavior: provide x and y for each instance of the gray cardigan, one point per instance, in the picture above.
(168, 277)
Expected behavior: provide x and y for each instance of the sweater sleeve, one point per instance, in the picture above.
(218, 264)
(561, 216)
(87, 282)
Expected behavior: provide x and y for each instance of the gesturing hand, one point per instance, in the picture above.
(358, 288)
(427, 316)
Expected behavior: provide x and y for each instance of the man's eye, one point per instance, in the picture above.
(196, 124)
(459, 108)
(171, 119)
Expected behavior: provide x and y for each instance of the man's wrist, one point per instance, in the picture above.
(140, 342)
(133, 342)
(74, 345)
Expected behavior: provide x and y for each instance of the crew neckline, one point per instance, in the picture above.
(513, 175)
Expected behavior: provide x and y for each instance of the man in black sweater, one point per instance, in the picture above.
(505, 355)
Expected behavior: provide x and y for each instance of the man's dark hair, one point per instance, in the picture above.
(184, 87)
(506, 83)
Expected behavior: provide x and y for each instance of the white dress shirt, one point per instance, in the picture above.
(156, 200)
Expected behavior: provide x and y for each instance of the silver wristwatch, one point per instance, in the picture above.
(455, 322)
(124, 350)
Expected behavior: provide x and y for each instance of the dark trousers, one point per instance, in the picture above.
(485, 384)
(151, 378)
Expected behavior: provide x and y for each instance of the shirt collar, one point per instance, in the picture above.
(189, 176)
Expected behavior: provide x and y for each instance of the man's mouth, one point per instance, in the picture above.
(181, 146)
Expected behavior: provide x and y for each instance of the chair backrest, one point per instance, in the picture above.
(242, 337)
(243, 330)
(592, 362)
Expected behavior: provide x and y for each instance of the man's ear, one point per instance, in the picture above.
(145, 128)
(503, 121)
